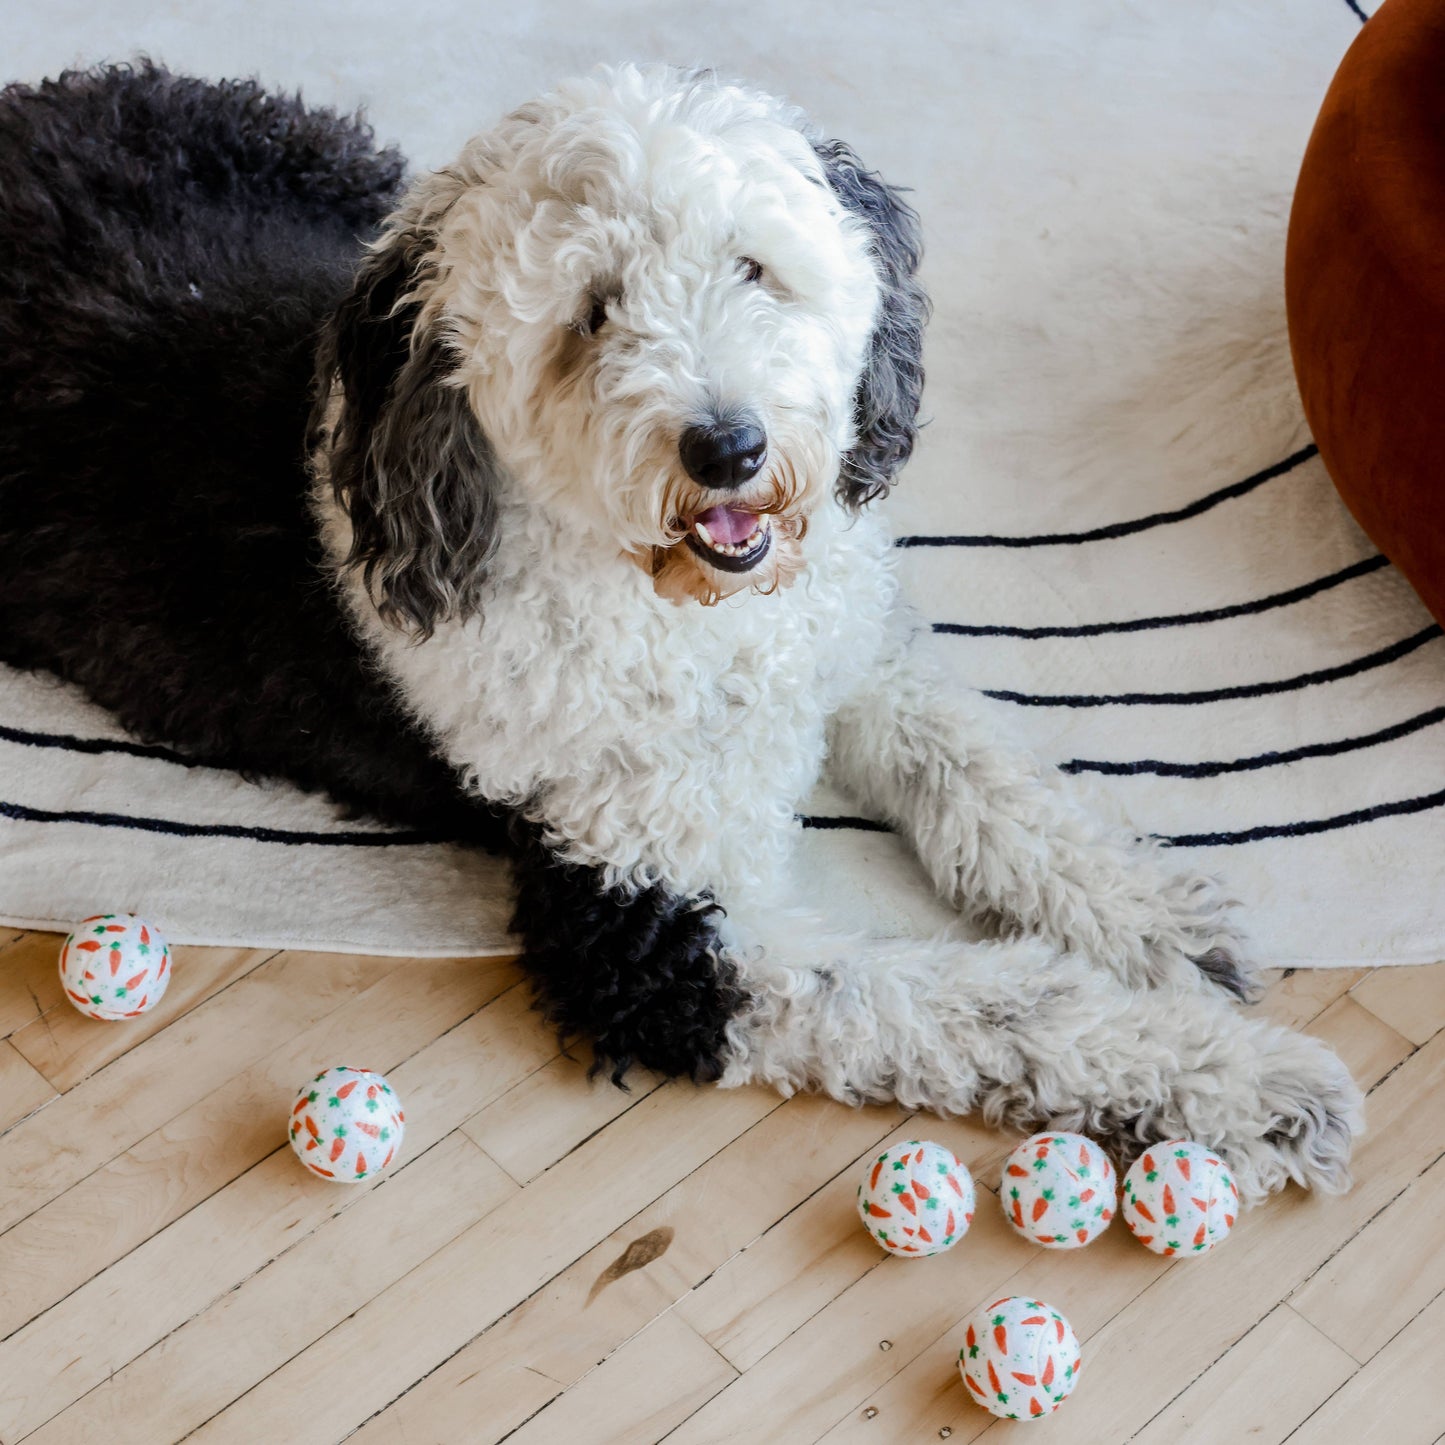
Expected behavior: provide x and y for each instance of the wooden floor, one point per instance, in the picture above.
(557, 1261)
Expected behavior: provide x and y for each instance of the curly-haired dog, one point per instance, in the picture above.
(575, 559)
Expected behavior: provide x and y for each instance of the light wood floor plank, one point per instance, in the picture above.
(107, 1113)
(410, 1328)
(379, 1235)
(181, 1269)
(29, 980)
(812, 1255)
(1305, 993)
(1369, 1047)
(584, 1314)
(1260, 1391)
(1397, 1399)
(23, 1089)
(1410, 1000)
(831, 1365)
(655, 1380)
(1385, 1275)
(66, 1046)
(550, 1113)
(215, 1140)
(807, 1259)
(1088, 1286)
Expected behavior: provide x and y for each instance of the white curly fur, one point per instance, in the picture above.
(674, 743)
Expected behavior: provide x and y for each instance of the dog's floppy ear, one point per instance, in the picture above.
(885, 405)
(407, 459)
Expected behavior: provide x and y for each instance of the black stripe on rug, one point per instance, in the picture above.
(1259, 760)
(1386, 655)
(1125, 529)
(20, 812)
(1178, 619)
(1314, 825)
(69, 743)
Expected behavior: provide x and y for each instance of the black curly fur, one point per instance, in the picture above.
(885, 408)
(642, 974)
(170, 251)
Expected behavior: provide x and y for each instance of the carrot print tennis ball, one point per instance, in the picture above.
(916, 1199)
(1179, 1199)
(1020, 1358)
(1058, 1190)
(346, 1125)
(115, 966)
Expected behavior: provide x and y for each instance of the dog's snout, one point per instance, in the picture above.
(723, 454)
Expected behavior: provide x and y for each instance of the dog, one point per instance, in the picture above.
(533, 503)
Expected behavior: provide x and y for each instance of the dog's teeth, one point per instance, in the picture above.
(705, 535)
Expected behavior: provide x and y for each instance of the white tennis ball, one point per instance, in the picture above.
(917, 1199)
(1058, 1190)
(115, 966)
(1179, 1199)
(1020, 1358)
(347, 1124)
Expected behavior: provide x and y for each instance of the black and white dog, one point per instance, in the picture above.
(542, 522)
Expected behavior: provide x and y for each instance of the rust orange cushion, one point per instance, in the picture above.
(1365, 287)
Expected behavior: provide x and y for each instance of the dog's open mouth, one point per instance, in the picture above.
(731, 539)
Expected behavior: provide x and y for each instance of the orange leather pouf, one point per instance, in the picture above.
(1365, 287)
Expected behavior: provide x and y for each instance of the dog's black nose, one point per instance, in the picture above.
(723, 453)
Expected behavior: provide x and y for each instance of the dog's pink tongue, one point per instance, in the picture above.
(728, 525)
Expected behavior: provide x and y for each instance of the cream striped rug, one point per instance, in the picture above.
(1115, 521)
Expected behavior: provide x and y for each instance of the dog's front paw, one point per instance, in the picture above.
(1297, 1119)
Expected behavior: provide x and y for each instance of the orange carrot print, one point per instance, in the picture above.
(1041, 1207)
(1035, 1408)
(338, 1145)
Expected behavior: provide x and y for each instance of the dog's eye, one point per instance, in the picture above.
(596, 318)
(752, 270)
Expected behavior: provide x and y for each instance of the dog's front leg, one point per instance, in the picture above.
(763, 994)
(1010, 841)
(639, 973)
(1033, 1039)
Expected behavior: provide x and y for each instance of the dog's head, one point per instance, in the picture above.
(652, 304)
